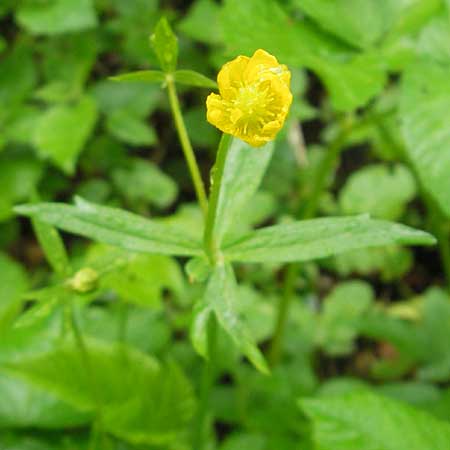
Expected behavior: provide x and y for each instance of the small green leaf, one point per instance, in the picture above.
(192, 78)
(220, 298)
(57, 16)
(115, 227)
(145, 76)
(365, 421)
(53, 246)
(165, 45)
(130, 129)
(62, 132)
(318, 238)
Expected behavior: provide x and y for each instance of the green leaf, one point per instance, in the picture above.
(338, 322)
(130, 130)
(244, 169)
(13, 284)
(201, 22)
(63, 131)
(379, 190)
(165, 45)
(115, 227)
(318, 238)
(53, 246)
(365, 421)
(425, 102)
(57, 16)
(220, 298)
(145, 76)
(26, 406)
(192, 78)
(141, 180)
(124, 381)
(434, 41)
(361, 23)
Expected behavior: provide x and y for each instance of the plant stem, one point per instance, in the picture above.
(208, 374)
(186, 145)
(291, 272)
(211, 246)
(79, 340)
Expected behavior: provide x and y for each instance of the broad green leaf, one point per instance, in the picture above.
(361, 23)
(130, 130)
(192, 78)
(341, 312)
(424, 107)
(201, 22)
(57, 16)
(127, 383)
(53, 246)
(318, 238)
(63, 131)
(115, 227)
(13, 284)
(26, 406)
(165, 45)
(379, 190)
(141, 180)
(244, 170)
(146, 76)
(20, 177)
(366, 421)
(220, 298)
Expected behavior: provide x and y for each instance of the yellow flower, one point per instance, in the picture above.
(254, 98)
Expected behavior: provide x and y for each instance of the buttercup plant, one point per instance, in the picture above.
(251, 108)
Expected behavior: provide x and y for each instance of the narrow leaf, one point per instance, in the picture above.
(115, 227)
(318, 238)
(165, 45)
(192, 78)
(145, 76)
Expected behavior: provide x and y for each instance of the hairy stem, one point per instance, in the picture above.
(186, 145)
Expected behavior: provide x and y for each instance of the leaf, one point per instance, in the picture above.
(115, 227)
(434, 41)
(192, 78)
(63, 131)
(379, 190)
(141, 180)
(340, 316)
(424, 106)
(220, 298)
(52, 244)
(57, 16)
(318, 238)
(243, 172)
(366, 421)
(26, 406)
(145, 76)
(127, 383)
(13, 284)
(165, 45)
(130, 130)
(359, 23)
(202, 23)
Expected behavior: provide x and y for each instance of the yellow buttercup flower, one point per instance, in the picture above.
(254, 98)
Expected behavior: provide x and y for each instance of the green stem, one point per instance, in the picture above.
(79, 340)
(207, 382)
(186, 145)
(282, 316)
(211, 246)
